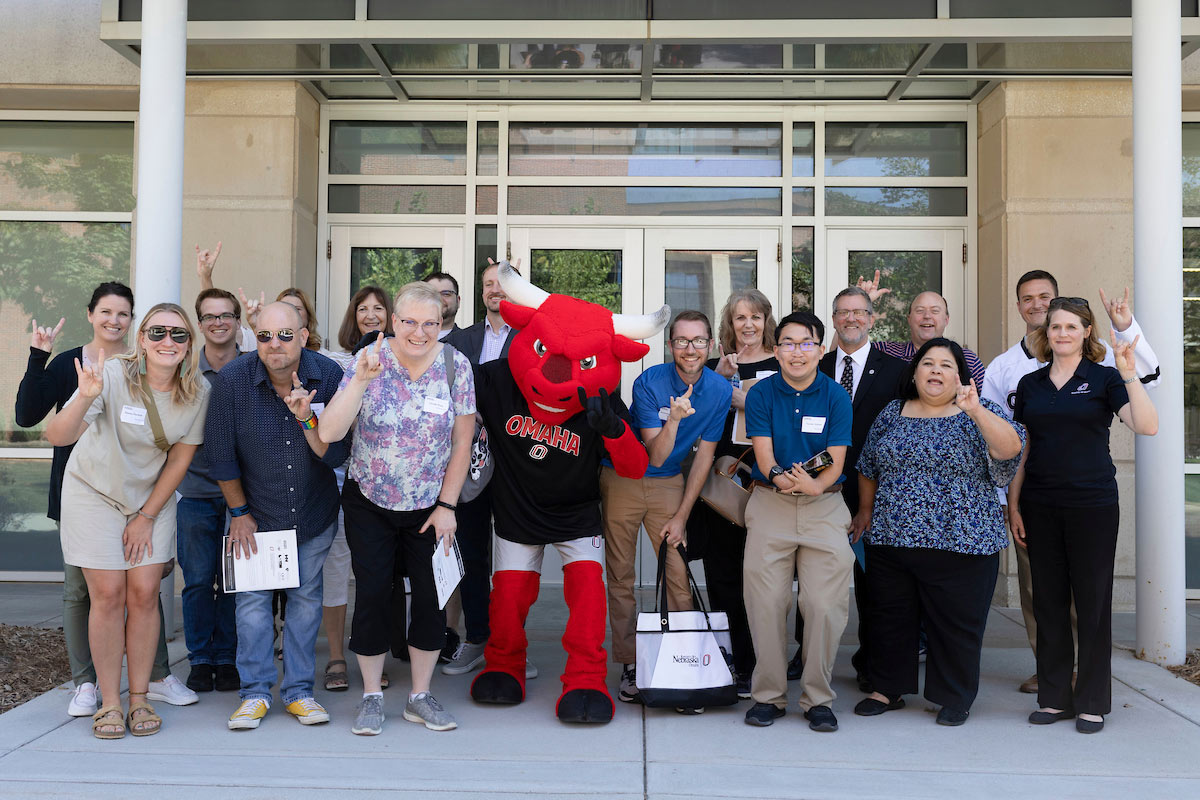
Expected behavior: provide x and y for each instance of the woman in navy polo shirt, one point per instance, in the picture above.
(1063, 504)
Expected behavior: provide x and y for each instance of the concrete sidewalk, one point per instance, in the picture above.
(1149, 747)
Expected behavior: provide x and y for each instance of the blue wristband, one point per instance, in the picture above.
(240, 511)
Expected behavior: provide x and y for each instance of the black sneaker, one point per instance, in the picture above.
(450, 648)
(743, 687)
(228, 679)
(763, 714)
(200, 679)
(628, 692)
(795, 667)
(821, 719)
(952, 716)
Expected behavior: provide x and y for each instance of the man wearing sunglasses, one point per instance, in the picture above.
(209, 626)
(276, 474)
(675, 406)
(1037, 291)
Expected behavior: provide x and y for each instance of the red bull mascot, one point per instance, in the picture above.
(552, 412)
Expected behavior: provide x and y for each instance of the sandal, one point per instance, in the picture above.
(336, 679)
(142, 713)
(384, 680)
(104, 719)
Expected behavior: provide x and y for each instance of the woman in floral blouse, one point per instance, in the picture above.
(412, 442)
(931, 462)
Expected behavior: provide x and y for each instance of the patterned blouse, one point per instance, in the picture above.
(936, 482)
(402, 436)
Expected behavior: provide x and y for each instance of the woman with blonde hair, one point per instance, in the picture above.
(136, 421)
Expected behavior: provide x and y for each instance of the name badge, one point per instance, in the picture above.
(317, 408)
(812, 424)
(664, 413)
(764, 373)
(133, 415)
(437, 405)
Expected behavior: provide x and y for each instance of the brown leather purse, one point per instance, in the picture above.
(723, 490)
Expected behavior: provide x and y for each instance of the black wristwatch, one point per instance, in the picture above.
(446, 505)
(775, 472)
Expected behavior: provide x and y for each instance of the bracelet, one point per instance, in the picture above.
(240, 511)
(151, 517)
(1131, 380)
(446, 505)
(310, 423)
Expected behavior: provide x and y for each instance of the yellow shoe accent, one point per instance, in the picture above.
(307, 711)
(249, 714)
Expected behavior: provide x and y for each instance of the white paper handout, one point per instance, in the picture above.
(447, 571)
(276, 565)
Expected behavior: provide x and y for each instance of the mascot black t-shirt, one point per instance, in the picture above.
(545, 487)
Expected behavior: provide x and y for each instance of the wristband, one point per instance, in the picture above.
(1131, 380)
(446, 505)
(150, 517)
(240, 511)
(310, 423)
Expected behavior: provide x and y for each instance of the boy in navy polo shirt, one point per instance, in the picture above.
(797, 522)
(673, 405)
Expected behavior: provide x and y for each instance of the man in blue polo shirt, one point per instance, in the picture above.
(797, 523)
(673, 405)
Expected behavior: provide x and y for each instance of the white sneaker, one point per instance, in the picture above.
(172, 691)
(83, 700)
(530, 669)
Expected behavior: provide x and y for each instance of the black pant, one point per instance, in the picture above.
(952, 593)
(381, 541)
(724, 547)
(474, 537)
(1071, 554)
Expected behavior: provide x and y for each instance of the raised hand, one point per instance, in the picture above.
(1120, 310)
(43, 338)
(91, 377)
(206, 261)
(682, 406)
(726, 363)
(872, 287)
(299, 402)
(968, 398)
(600, 415)
(369, 367)
(252, 307)
(1123, 357)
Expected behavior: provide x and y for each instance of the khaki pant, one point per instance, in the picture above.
(627, 504)
(807, 536)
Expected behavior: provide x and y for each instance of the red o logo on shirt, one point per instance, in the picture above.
(538, 452)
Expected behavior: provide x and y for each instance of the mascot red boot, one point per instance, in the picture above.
(552, 414)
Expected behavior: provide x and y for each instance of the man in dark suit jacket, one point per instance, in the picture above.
(872, 378)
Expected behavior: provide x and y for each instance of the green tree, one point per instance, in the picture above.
(390, 268)
(907, 274)
(591, 275)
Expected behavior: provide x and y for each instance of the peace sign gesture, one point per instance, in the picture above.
(91, 377)
(43, 338)
(682, 406)
(299, 402)
(369, 367)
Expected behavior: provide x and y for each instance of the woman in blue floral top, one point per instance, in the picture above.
(931, 464)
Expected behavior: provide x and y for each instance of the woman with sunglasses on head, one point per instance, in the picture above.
(928, 474)
(135, 421)
(1063, 504)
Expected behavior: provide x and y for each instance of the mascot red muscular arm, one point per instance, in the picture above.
(552, 414)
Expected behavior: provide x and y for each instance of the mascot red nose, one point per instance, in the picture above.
(553, 413)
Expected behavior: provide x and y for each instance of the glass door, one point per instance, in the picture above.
(389, 257)
(909, 262)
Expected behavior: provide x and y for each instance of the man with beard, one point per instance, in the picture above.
(445, 285)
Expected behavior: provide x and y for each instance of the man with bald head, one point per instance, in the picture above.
(276, 474)
(928, 316)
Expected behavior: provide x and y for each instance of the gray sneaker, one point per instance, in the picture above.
(468, 657)
(369, 721)
(425, 709)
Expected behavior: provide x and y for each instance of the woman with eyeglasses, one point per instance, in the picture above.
(1063, 504)
(934, 529)
(746, 338)
(412, 439)
(136, 421)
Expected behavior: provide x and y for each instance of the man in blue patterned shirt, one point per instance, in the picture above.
(276, 474)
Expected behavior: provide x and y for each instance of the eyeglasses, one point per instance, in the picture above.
(427, 327)
(1058, 302)
(284, 335)
(209, 319)
(156, 333)
(699, 343)
(806, 346)
(857, 313)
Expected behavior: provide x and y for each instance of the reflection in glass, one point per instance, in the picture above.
(645, 149)
(802, 149)
(486, 199)
(28, 538)
(895, 201)
(391, 267)
(718, 88)
(1191, 344)
(539, 88)
(485, 248)
(943, 89)
(881, 56)
(1028, 56)
(591, 275)
(701, 279)
(397, 148)
(655, 201)
(355, 90)
(802, 270)
(895, 149)
(374, 198)
(803, 204)
(718, 56)
(409, 57)
(907, 273)
(487, 148)
(575, 56)
(1191, 545)
(1191, 169)
(950, 56)
(66, 166)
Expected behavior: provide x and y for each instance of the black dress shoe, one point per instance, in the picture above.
(200, 679)
(795, 667)
(952, 717)
(821, 719)
(1089, 725)
(450, 648)
(870, 707)
(228, 679)
(763, 714)
(1049, 717)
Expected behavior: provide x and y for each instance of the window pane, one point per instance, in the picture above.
(591, 275)
(945, 89)
(1191, 344)
(66, 166)
(355, 90)
(485, 248)
(49, 271)
(803, 204)
(802, 269)
(644, 200)
(871, 56)
(893, 149)
(531, 55)
(520, 9)
(485, 199)
(802, 149)
(645, 149)
(1027, 56)
(398, 148)
(354, 198)
(487, 148)
(28, 538)
(212, 10)
(261, 57)
(908, 273)
(718, 56)
(390, 268)
(700, 279)
(895, 201)
(1191, 514)
(533, 88)
(406, 57)
(1191, 169)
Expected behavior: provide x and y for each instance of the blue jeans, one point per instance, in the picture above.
(209, 626)
(256, 630)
